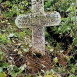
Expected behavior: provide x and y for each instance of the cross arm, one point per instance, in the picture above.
(52, 19)
(22, 21)
(26, 21)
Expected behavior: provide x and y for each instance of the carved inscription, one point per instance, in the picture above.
(22, 21)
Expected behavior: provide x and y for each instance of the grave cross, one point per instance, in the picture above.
(37, 20)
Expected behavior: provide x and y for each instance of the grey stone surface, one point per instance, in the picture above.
(37, 20)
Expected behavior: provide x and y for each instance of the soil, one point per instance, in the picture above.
(34, 63)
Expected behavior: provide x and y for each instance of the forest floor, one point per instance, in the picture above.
(32, 64)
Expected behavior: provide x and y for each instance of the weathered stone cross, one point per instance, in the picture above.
(37, 20)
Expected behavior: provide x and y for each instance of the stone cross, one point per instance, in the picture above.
(37, 20)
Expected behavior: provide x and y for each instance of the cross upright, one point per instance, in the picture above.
(37, 20)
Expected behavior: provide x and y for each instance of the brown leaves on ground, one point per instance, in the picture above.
(34, 63)
(62, 60)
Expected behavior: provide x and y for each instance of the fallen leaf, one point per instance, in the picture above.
(2, 74)
(50, 76)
